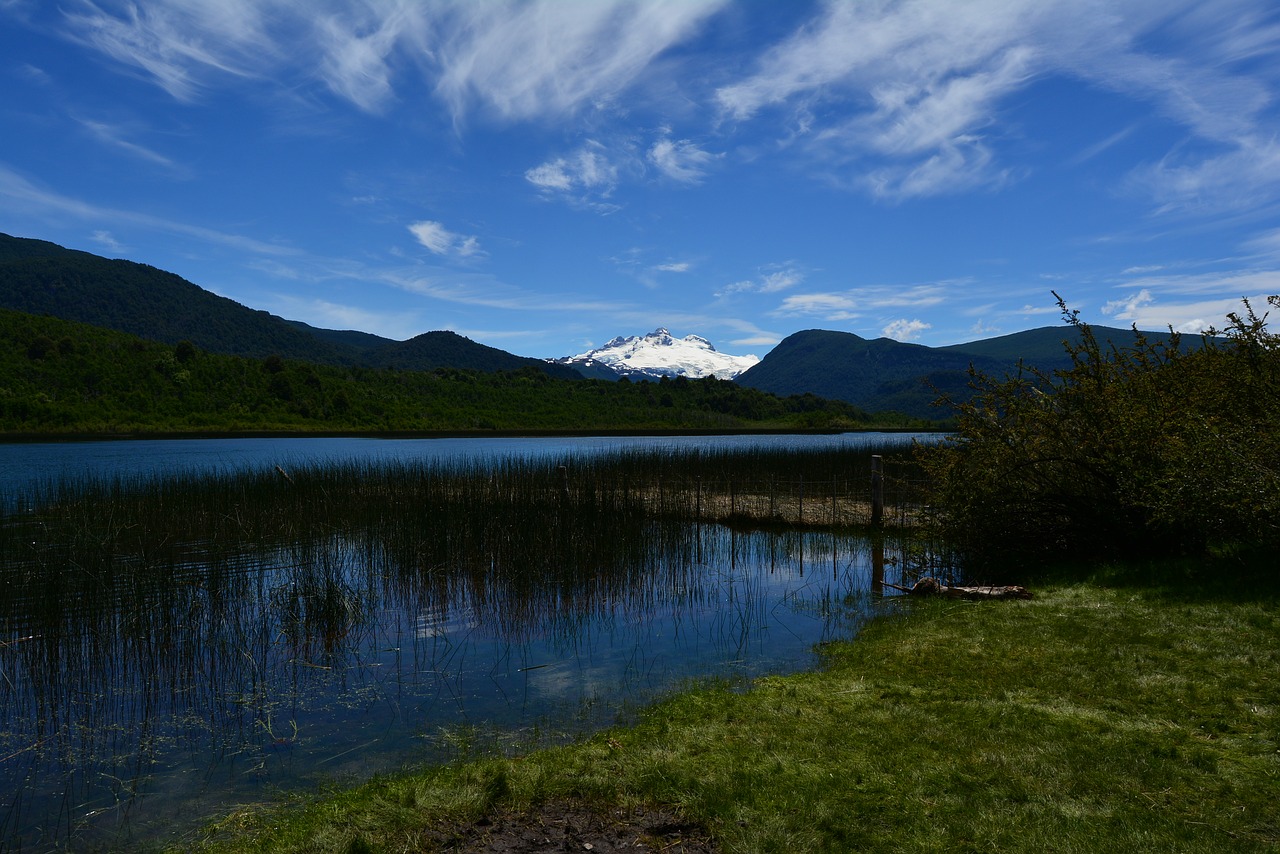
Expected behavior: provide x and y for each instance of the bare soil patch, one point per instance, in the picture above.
(568, 826)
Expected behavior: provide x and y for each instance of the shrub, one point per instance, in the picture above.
(1155, 448)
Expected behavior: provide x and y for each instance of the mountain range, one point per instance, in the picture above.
(42, 278)
(38, 277)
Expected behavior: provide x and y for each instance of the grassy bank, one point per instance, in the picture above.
(1097, 717)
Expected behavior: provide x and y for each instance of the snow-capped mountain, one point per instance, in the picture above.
(658, 354)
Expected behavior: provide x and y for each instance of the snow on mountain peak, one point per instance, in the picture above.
(660, 354)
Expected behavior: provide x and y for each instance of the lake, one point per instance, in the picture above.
(220, 657)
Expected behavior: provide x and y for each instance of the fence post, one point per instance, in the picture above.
(877, 491)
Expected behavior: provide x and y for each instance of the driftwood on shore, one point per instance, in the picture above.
(933, 587)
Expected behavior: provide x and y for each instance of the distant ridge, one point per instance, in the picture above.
(43, 278)
(884, 375)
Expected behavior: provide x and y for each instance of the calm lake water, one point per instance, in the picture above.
(22, 464)
(144, 692)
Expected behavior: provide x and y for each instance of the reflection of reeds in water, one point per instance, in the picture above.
(192, 612)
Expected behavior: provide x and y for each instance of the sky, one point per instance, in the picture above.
(544, 176)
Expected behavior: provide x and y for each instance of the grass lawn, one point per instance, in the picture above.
(1097, 717)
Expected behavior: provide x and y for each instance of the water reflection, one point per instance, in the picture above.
(209, 660)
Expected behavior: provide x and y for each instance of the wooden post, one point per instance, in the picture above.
(877, 491)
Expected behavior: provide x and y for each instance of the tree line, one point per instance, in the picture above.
(62, 377)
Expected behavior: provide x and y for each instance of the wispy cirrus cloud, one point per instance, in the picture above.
(332, 315)
(1190, 302)
(527, 60)
(828, 306)
(30, 199)
(514, 60)
(107, 241)
(115, 136)
(681, 160)
(1243, 177)
(905, 98)
(178, 45)
(440, 240)
(770, 281)
(857, 302)
(590, 168)
(585, 178)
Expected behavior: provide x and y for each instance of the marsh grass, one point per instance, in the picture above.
(152, 615)
(1090, 719)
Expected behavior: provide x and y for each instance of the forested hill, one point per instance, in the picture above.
(38, 277)
(886, 375)
(58, 376)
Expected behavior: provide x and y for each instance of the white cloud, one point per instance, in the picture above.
(905, 330)
(517, 60)
(1127, 308)
(932, 75)
(178, 44)
(681, 160)
(1191, 317)
(527, 60)
(330, 315)
(585, 178)
(114, 136)
(355, 57)
(775, 280)
(442, 241)
(899, 97)
(960, 165)
(674, 267)
(983, 329)
(831, 306)
(106, 240)
(1244, 177)
(588, 168)
(32, 200)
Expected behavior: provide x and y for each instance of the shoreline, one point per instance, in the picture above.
(54, 438)
(1015, 726)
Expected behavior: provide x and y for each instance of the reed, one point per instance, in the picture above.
(196, 611)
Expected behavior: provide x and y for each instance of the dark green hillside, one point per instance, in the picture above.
(886, 375)
(38, 277)
(347, 339)
(875, 375)
(448, 349)
(58, 376)
(1046, 347)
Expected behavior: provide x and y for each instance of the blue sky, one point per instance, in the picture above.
(543, 176)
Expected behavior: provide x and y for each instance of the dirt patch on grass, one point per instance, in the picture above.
(567, 826)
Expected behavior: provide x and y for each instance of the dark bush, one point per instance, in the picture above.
(1153, 449)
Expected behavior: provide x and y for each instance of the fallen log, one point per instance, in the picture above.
(933, 587)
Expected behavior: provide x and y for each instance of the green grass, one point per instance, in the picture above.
(1096, 717)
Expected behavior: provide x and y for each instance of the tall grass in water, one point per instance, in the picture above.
(215, 601)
